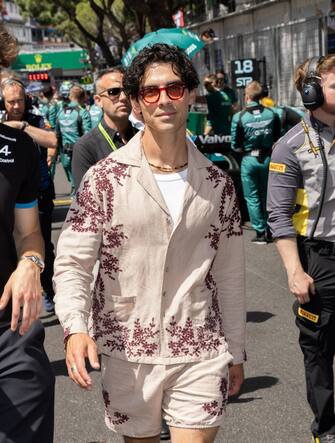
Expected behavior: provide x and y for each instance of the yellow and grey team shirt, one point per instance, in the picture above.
(295, 182)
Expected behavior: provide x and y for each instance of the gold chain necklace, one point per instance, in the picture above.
(164, 169)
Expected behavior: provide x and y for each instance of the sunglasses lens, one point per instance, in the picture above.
(175, 91)
(151, 95)
(113, 92)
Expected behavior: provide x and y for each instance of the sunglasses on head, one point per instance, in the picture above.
(112, 92)
(151, 94)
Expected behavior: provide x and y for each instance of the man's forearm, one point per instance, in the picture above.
(44, 138)
(32, 244)
(288, 251)
(300, 283)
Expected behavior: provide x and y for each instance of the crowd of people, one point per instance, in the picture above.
(167, 318)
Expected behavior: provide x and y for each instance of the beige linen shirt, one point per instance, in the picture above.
(163, 294)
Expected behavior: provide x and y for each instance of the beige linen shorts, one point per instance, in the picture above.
(137, 395)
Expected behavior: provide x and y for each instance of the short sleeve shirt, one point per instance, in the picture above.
(19, 183)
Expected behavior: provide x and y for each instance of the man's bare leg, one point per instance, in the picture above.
(183, 435)
(142, 440)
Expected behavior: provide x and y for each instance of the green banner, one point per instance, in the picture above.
(67, 60)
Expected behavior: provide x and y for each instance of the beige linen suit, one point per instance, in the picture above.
(164, 294)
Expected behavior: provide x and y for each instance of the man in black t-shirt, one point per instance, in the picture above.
(26, 377)
(18, 115)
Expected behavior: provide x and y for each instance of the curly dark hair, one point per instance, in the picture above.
(160, 52)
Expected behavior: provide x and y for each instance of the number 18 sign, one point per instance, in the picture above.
(244, 71)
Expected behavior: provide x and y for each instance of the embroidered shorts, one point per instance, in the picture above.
(137, 395)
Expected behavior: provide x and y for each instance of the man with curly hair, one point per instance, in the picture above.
(168, 308)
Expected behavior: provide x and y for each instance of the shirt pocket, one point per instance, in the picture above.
(123, 307)
(200, 298)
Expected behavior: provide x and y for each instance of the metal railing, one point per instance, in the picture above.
(283, 46)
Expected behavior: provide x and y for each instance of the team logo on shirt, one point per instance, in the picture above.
(277, 167)
(4, 153)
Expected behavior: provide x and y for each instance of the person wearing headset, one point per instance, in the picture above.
(301, 206)
(27, 381)
(18, 115)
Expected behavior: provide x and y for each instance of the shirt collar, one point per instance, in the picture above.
(132, 153)
(323, 129)
(115, 136)
(252, 104)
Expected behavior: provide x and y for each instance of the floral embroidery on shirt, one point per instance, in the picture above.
(112, 238)
(214, 316)
(118, 418)
(215, 175)
(213, 407)
(137, 341)
(192, 340)
(214, 236)
(88, 213)
(234, 226)
(119, 171)
(231, 222)
(86, 216)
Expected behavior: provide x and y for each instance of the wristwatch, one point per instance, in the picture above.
(24, 125)
(36, 260)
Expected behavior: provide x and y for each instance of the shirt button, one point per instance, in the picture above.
(164, 293)
(168, 221)
(167, 269)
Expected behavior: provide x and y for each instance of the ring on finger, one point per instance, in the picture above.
(73, 368)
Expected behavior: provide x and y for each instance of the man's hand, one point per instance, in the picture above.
(52, 154)
(236, 377)
(50, 159)
(24, 288)
(78, 347)
(301, 285)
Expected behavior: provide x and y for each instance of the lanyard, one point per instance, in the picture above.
(107, 137)
(314, 149)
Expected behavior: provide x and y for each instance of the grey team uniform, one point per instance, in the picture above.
(294, 196)
(295, 180)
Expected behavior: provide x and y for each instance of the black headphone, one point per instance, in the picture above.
(27, 98)
(311, 89)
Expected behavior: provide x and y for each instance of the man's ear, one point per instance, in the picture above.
(98, 101)
(135, 105)
(192, 96)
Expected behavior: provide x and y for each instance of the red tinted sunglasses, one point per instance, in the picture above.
(151, 94)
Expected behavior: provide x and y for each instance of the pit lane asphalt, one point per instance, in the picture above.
(272, 406)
